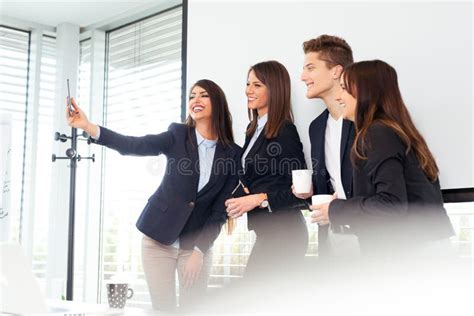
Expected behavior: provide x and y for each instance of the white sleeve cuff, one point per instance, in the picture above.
(98, 133)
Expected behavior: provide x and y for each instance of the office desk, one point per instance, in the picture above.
(70, 308)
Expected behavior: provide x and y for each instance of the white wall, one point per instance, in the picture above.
(430, 45)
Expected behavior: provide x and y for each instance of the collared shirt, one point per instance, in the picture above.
(261, 121)
(206, 149)
(332, 153)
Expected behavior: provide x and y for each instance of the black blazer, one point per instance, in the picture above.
(268, 167)
(176, 209)
(321, 179)
(393, 199)
(317, 136)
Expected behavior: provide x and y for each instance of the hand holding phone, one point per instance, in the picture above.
(69, 101)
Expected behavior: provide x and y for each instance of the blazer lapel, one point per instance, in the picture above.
(246, 144)
(192, 149)
(320, 142)
(346, 127)
(255, 148)
(346, 174)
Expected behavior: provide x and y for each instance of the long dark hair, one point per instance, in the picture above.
(221, 117)
(375, 86)
(275, 76)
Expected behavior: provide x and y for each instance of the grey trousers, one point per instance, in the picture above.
(160, 263)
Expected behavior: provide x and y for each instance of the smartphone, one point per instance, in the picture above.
(69, 102)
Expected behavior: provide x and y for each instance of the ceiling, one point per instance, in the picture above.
(82, 13)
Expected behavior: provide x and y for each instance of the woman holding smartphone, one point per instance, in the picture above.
(397, 205)
(272, 150)
(184, 216)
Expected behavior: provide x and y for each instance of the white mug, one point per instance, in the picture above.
(302, 180)
(321, 199)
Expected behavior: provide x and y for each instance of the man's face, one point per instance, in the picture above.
(319, 79)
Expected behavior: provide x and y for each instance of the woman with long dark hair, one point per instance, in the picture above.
(397, 203)
(272, 150)
(184, 216)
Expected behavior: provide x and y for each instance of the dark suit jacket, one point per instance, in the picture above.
(268, 167)
(393, 199)
(176, 209)
(321, 180)
(317, 135)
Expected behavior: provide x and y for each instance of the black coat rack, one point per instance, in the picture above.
(73, 157)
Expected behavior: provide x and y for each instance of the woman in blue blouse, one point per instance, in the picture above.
(185, 214)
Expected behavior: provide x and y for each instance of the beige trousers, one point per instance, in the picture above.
(160, 263)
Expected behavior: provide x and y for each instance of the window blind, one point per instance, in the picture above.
(43, 163)
(84, 89)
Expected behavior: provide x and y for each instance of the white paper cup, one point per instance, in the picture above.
(302, 180)
(321, 199)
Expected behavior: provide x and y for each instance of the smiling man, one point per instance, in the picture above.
(331, 136)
